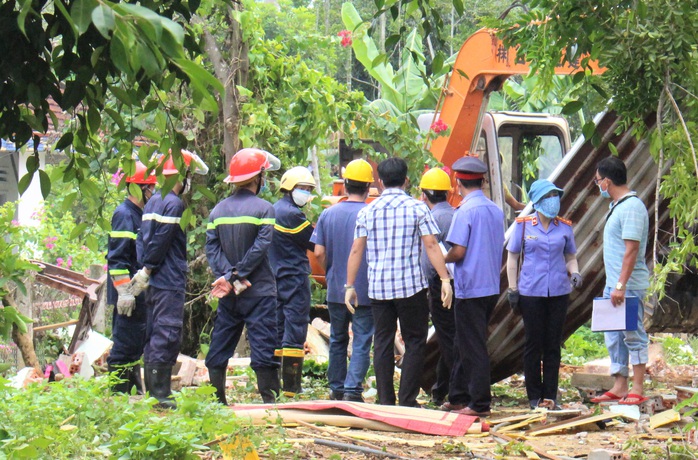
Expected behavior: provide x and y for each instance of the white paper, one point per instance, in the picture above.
(607, 317)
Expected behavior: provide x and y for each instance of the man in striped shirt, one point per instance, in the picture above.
(164, 274)
(394, 230)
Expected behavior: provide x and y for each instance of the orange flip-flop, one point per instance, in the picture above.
(633, 399)
(606, 397)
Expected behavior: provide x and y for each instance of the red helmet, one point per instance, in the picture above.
(139, 176)
(191, 159)
(247, 163)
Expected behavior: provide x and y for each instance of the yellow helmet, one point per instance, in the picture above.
(359, 171)
(298, 175)
(435, 179)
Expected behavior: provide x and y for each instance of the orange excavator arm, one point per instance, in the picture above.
(482, 66)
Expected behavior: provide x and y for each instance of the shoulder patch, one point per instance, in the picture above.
(565, 221)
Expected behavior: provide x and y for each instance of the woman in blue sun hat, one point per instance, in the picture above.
(539, 287)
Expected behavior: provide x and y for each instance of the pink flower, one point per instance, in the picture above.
(439, 126)
(15, 223)
(346, 37)
(59, 261)
(69, 262)
(84, 248)
(50, 245)
(116, 177)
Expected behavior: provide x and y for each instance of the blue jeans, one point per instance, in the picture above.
(340, 379)
(627, 346)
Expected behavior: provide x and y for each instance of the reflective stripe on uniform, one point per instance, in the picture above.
(122, 234)
(118, 271)
(291, 230)
(293, 352)
(161, 219)
(240, 220)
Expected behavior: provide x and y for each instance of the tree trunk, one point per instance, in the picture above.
(24, 341)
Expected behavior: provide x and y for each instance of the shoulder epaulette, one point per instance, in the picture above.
(565, 221)
(525, 219)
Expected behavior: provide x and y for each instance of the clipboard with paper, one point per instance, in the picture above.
(451, 267)
(607, 317)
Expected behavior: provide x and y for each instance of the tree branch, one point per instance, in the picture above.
(685, 128)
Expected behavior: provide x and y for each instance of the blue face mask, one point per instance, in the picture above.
(604, 193)
(549, 207)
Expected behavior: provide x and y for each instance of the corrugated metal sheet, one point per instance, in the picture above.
(582, 204)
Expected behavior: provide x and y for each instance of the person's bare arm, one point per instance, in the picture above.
(321, 255)
(455, 254)
(431, 246)
(632, 248)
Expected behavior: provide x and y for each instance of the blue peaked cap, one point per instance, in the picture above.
(540, 188)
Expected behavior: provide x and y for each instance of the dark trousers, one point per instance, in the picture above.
(128, 335)
(444, 322)
(470, 378)
(543, 319)
(163, 337)
(234, 313)
(413, 314)
(292, 311)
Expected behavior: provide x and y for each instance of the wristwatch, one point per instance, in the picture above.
(348, 286)
(619, 286)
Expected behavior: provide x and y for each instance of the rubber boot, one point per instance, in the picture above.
(217, 377)
(158, 378)
(292, 371)
(278, 354)
(268, 384)
(122, 373)
(135, 380)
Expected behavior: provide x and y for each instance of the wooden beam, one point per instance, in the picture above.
(48, 327)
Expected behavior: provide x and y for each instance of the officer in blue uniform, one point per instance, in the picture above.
(477, 239)
(435, 185)
(238, 238)
(129, 317)
(164, 274)
(289, 260)
(541, 290)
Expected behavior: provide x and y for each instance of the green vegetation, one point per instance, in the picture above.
(583, 346)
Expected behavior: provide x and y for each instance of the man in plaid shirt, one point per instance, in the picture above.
(393, 231)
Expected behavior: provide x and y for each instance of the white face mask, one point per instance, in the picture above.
(300, 197)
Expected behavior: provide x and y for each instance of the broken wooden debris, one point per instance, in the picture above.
(573, 423)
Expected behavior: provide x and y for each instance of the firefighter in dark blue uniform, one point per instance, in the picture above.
(289, 260)
(238, 238)
(164, 274)
(129, 318)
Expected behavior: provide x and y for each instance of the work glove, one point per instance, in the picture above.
(513, 298)
(126, 301)
(240, 285)
(140, 282)
(221, 287)
(350, 298)
(446, 293)
(576, 280)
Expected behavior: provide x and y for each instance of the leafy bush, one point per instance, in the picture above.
(677, 352)
(78, 418)
(583, 346)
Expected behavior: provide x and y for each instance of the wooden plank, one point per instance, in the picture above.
(578, 421)
(48, 327)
